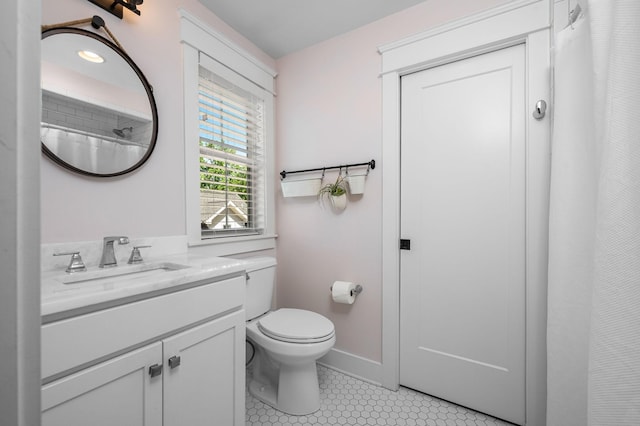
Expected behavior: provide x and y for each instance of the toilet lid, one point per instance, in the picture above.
(296, 326)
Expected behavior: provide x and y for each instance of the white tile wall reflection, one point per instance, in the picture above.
(349, 401)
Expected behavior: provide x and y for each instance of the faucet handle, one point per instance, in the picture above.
(76, 264)
(136, 257)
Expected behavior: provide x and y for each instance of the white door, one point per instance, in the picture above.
(119, 391)
(204, 374)
(462, 294)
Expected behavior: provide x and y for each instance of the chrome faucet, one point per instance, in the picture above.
(108, 252)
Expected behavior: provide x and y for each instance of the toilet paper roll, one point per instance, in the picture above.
(342, 292)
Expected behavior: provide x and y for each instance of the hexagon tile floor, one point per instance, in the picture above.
(349, 401)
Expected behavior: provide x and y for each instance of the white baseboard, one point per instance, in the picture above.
(353, 365)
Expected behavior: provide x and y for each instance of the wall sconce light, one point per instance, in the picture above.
(115, 7)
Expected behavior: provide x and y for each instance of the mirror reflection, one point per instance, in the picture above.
(98, 113)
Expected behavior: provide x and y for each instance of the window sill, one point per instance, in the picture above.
(228, 246)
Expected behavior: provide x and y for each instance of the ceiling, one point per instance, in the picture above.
(280, 27)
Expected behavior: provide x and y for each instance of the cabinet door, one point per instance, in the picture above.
(119, 391)
(204, 374)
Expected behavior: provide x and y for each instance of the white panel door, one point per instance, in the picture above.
(462, 296)
(116, 392)
(204, 374)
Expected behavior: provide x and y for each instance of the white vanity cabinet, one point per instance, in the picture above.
(115, 392)
(169, 360)
(206, 387)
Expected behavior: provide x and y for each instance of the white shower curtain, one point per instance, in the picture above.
(94, 154)
(593, 336)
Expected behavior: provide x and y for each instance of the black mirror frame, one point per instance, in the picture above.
(148, 88)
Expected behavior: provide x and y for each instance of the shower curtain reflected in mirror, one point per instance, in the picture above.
(593, 335)
(101, 155)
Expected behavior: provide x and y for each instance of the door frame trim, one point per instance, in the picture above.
(525, 22)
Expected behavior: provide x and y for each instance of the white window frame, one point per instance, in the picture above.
(239, 67)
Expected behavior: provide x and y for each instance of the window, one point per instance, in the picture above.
(231, 144)
(228, 143)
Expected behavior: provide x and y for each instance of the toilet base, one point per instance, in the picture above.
(296, 391)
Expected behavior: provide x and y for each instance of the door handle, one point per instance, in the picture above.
(174, 361)
(405, 244)
(540, 110)
(155, 370)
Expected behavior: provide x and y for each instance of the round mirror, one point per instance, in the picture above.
(99, 116)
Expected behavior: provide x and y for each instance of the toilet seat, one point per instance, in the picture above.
(296, 326)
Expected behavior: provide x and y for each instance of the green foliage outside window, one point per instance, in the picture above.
(221, 175)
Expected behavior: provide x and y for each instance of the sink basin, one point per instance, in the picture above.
(128, 272)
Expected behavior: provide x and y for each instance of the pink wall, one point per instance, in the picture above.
(150, 201)
(328, 113)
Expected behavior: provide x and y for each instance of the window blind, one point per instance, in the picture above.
(231, 144)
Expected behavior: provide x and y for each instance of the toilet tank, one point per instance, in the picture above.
(261, 276)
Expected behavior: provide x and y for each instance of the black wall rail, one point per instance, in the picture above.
(370, 164)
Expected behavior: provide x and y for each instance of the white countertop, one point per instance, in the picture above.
(60, 300)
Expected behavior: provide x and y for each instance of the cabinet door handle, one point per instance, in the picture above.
(174, 361)
(155, 370)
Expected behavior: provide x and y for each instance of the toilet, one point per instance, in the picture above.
(283, 345)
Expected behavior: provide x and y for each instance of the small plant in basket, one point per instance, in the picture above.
(336, 192)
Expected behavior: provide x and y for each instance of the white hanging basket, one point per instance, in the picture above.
(301, 187)
(338, 202)
(356, 184)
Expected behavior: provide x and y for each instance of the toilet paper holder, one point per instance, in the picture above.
(354, 292)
